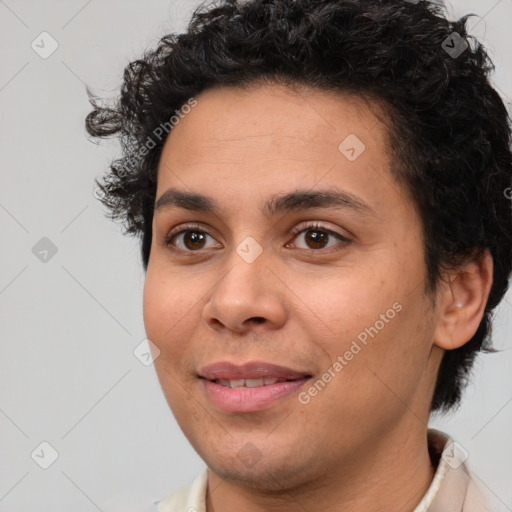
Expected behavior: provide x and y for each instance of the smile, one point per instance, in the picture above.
(250, 387)
(249, 383)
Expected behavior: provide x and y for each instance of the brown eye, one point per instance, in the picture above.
(189, 240)
(317, 237)
(194, 239)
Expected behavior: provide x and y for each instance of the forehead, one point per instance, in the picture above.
(241, 144)
(275, 118)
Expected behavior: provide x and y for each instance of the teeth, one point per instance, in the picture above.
(253, 383)
(238, 383)
(249, 383)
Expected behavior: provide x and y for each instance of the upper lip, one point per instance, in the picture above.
(252, 370)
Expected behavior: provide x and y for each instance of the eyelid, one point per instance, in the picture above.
(187, 226)
(316, 225)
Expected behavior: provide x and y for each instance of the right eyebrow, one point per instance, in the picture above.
(186, 200)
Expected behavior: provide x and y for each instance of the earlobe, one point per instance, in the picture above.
(462, 301)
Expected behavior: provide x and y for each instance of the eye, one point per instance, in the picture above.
(190, 238)
(316, 236)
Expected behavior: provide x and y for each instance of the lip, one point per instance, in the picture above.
(251, 370)
(244, 399)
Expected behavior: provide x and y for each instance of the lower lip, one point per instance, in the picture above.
(250, 399)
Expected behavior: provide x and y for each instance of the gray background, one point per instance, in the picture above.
(69, 325)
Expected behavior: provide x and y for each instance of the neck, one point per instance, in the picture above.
(393, 474)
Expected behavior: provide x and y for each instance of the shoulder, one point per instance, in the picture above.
(455, 486)
(481, 499)
(189, 498)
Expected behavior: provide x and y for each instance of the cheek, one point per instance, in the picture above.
(391, 360)
(172, 313)
(375, 386)
(166, 300)
(347, 302)
(165, 309)
(165, 321)
(153, 307)
(376, 325)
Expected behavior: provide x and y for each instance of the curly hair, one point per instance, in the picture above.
(448, 128)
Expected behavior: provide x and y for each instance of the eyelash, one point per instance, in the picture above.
(312, 226)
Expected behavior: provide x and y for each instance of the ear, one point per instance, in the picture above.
(461, 301)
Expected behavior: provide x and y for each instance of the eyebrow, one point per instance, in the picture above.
(277, 204)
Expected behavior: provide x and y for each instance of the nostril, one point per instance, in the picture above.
(258, 319)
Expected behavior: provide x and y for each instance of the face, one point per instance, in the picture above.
(317, 299)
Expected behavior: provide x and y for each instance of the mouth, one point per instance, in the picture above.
(249, 383)
(251, 387)
(251, 371)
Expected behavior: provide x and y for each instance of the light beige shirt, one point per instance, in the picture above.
(452, 489)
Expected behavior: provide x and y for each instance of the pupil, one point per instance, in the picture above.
(192, 238)
(317, 240)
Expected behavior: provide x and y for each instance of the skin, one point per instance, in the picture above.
(360, 443)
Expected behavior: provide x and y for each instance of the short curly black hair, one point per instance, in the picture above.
(449, 129)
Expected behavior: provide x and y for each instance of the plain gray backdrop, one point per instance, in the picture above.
(71, 283)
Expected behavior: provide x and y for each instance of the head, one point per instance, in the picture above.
(265, 108)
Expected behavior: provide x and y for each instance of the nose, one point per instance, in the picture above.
(246, 296)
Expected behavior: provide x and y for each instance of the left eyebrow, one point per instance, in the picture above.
(280, 203)
(307, 199)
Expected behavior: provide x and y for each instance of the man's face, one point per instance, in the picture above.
(302, 287)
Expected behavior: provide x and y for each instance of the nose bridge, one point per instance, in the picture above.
(247, 291)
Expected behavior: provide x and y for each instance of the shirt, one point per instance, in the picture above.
(452, 489)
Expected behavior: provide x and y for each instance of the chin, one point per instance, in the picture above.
(253, 469)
